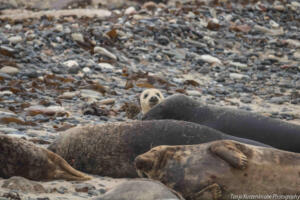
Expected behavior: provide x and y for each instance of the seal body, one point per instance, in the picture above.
(110, 149)
(223, 170)
(149, 98)
(141, 189)
(19, 157)
(277, 133)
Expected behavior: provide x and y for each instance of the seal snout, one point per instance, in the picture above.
(143, 164)
(153, 100)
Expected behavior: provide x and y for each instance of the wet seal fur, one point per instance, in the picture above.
(138, 189)
(110, 149)
(239, 123)
(19, 157)
(149, 98)
(220, 169)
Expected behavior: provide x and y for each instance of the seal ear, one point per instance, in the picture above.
(230, 152)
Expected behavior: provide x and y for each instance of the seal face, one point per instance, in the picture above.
(141, 189)
(149, 98)
(239, 123)
(110, 149)
(19, 157)
(221, 169)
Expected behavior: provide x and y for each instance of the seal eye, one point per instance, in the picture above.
(145, 96)
(158, 94)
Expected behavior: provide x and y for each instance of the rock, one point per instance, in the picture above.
(84, 187)
(15, 39)
(238, 76)
(104, 52)
(106, 66)
(69, 95)
(9, 70)
(59, 28)
(71, 63)
(193, 93)
(163, 40)
(107, 101)
(86, 70)
(274, 24)
(48, 111)
(210, 59)
(137, 189)
(263, 29)
(91, 94)
(130, 11)
(239, 65)
(77, 37)
(277, 100)
(246, 99)
(5, 93)
(23, 184)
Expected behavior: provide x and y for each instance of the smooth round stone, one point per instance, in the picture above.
(9, 70)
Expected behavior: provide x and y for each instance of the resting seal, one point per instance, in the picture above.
(110, 149)
(138, 189)
(221, 169)
(150, 98)
(19, 157)
(279, 134)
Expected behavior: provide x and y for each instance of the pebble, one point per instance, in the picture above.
(193, 93)
(210, 59)
(71, 63)
(238, 76)
(77, 37)
(9, 70)
(130, 11)
(104, 52)
(106, 66)
(15, 39)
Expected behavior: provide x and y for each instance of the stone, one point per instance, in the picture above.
(9, 70)
(210, 59)
(15, 39)
(104, 52)
(71, 63)
(107, 101)
(130, 11)
(105, 66)
(238, 76)
(193, 93)
(23, 184)
(77, 37)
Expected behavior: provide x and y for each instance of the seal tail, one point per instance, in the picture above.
(66, 171)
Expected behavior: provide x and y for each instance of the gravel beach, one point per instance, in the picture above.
(88, 64)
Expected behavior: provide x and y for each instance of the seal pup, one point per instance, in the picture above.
(110, 149)
(223, 169)
(149, 98)
(141, 189)
(19, 157)
(239, 123)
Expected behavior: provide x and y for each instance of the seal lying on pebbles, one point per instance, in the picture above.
(150, 98)
(141, 189)
(222, 169)
(235, 122)
(19, 157)
(110, 149)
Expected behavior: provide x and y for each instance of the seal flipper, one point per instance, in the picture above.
(211, 192)
(62, 170)
(229, 151)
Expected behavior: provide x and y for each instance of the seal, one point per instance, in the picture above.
(110, 149)
(223, 169)
(141, 189)
(239, 123)
(19, 157)
(149, 98)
